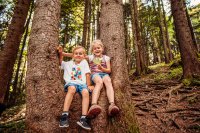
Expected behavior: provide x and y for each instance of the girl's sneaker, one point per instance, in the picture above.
(113, 110)
(94, 111)
(83, 123)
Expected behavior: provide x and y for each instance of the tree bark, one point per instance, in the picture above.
(191, 64)
(112, 36)
(45, 95)
(9, 53)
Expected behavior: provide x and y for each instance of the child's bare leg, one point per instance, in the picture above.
(69, 96)
(113, 109)
(95, 109)
(85, 101)
(96, 92)
(109, 89)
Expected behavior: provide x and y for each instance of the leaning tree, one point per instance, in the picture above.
(9, 53)
(189, 54)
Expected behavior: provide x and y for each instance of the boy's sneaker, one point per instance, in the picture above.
(83, 123)
(94, 111)
(113, 110)
(64, 121)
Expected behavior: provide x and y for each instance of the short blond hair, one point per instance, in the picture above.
(98, 41)
(78, 47)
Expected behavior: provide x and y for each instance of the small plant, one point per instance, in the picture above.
(186, 82)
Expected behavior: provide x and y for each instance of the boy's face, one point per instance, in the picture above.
(78, 55)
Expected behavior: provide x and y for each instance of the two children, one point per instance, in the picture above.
(77, 75)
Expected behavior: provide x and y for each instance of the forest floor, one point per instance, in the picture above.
(162, 104)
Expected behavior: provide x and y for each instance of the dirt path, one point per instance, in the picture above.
(166, 106)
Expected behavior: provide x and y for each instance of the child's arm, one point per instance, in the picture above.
(67, 54)
(88, 82)
(59, 50)
(106, 70)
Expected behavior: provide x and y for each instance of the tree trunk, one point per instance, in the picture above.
(98, 24)
(45, 97)
(139, 50)
(167, 33)
(85, 23)
(191, 27)
(191, 64)
(9, 53)
(88, 28)
(112, 36)
(14, 94)
(162, 33)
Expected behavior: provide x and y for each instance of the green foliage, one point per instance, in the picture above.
(13, 127)
(72, 14)
(6, 12)
(160, 77)
(175, 73)
(186, 82)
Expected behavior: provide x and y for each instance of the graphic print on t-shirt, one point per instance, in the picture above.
(76, 73)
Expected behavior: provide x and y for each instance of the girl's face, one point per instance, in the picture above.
(78, 55)
(97, 50)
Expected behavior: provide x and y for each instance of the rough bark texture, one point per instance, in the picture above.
(112, 35)
(45, 95)
(191, 64)
(9, 53)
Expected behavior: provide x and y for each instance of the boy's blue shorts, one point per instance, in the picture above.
(79, 87)
(101, 75)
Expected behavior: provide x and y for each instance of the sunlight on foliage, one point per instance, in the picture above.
(157, 66)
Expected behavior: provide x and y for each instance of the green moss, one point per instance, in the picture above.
(160, 77)
(129, 123)
(175, 73)
(186, 82)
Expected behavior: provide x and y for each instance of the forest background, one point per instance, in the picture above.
(151, 39)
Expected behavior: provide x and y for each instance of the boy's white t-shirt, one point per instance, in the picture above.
(75, 73)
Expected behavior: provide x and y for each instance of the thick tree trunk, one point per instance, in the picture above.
(45, 95)
(191, 64)
(191, 27)
(112, 35)
(9, 53)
